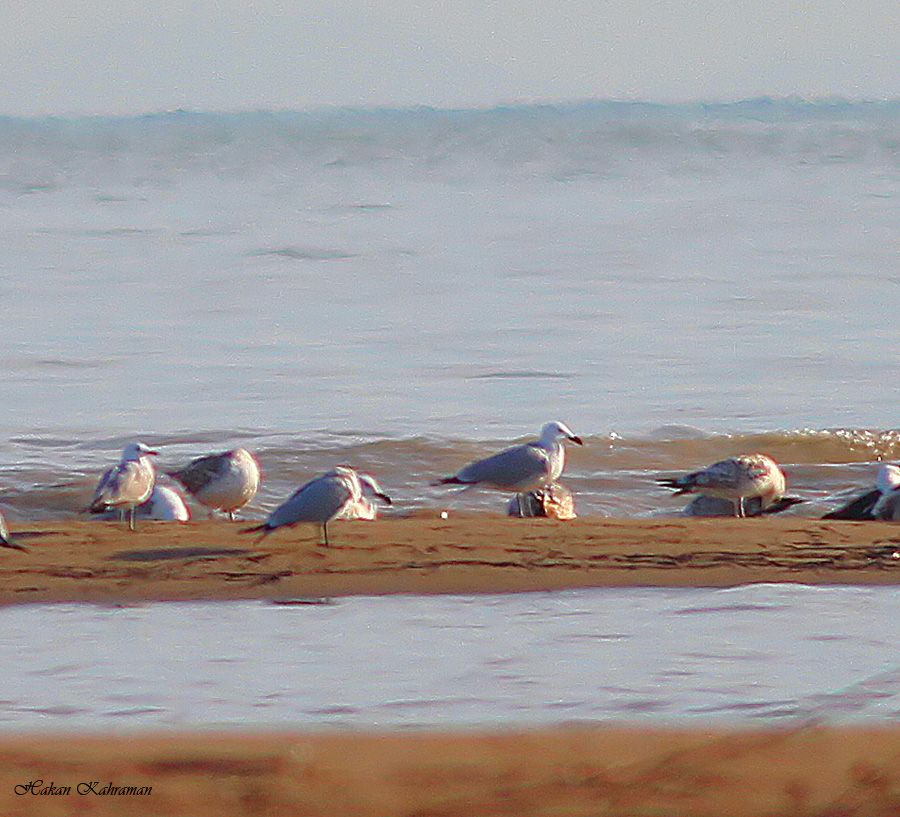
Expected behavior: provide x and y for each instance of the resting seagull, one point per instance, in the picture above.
(224, 482)
(555, 501)
(737, 479)
(319, 501)
(706, 506)
(523, 468)
(883, 502)
(127, 484)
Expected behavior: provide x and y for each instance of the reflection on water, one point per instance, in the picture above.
(757, 654)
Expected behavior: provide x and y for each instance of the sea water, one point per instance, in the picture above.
(407, 289)
(757, 656)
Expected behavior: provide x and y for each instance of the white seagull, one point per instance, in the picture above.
(319, 501)
(127, 484)
(522, 468)
(224, 482)
(164, 504)
(737, 479)
(5, 540)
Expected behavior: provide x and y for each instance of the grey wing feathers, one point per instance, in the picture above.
(523, 465)
(317, 501)
(98, 501)
(197, 474)
(724, 474)
(124, 484)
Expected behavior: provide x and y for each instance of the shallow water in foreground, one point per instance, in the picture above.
(756, 655)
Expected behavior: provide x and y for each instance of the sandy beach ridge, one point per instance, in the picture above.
(101, 562)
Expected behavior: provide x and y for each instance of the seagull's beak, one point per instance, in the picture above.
(385, 498)
(151, 453)
(576, 439)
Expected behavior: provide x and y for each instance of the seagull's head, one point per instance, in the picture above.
(550, 432)
(134, 451)
(888, 478)
(368, 481)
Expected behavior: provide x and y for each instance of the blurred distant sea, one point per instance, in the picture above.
(404, 289)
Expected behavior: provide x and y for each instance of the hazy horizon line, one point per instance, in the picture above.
(792, 100)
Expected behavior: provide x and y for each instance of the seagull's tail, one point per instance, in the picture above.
(677, 485)
(782, 504)
(11, 544)
(450, 481)
(264, 527)
(97, 507)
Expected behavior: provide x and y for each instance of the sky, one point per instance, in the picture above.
(123, 56)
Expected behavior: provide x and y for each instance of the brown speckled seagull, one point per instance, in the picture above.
(737, 479)
(224, 482)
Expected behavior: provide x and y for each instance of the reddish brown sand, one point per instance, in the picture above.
(579, 772)
(102, 562)
(572, 772)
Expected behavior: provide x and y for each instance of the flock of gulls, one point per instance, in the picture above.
(742, 486)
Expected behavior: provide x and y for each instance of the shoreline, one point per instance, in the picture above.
(87, 561)
(559, 771)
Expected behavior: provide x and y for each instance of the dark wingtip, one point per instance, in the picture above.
(449, 481)
(12, 544)
(782, 505)
(859, 509)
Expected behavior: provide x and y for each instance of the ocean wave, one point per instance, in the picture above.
(610, 475)
(562, 142)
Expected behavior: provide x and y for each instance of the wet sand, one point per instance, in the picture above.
(559, 772)
(102, 562)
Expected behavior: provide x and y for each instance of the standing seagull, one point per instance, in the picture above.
(5, 541)
(165, 504)
(126, 485)
(736, 479)
(224, 482)
(522, 468)
(319, 501)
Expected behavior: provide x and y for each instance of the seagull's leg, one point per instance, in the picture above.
(131, 519)
(519, 501)
(231, 516)
(325, 533)
(740, 508)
